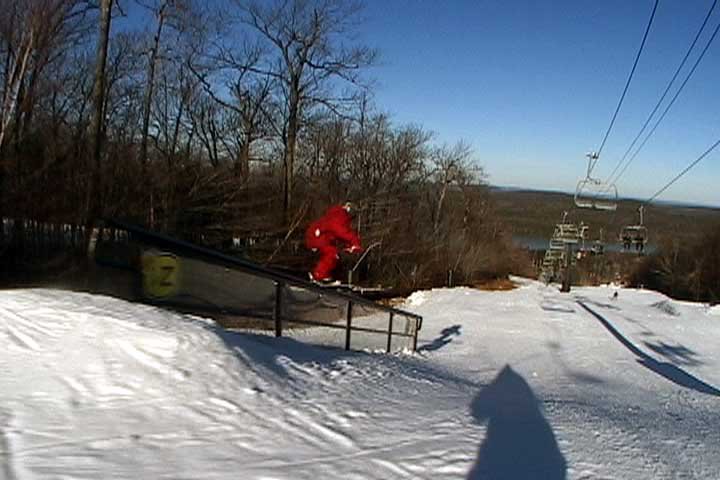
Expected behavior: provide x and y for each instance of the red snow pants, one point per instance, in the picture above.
(327, 262)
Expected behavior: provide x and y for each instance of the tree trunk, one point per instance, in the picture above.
(10, 98)
(244, 160)
(290, 152)
(94, 200)
(26, 101)
(175, 136)
(6, 82)
(147, 105)
(438, 208)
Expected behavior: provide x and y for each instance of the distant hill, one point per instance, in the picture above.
(671, 203)
(534, 213)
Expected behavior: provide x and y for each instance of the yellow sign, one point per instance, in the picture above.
(161, 274)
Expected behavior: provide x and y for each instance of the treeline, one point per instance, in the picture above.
(684, 270)
(241, 122)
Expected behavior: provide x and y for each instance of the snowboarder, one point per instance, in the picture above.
(326, 234)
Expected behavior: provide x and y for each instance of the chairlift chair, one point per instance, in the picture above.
(598, 246)
(566, 232)
(594, 194)
(635, 235)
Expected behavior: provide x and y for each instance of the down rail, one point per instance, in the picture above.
(112, 230)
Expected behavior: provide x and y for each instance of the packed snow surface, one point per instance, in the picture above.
(528, 383)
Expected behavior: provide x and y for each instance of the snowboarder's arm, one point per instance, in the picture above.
(348, 235)
(342, 229)
(339, 224)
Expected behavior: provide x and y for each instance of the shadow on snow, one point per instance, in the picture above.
(519, 442)
(556, 308)
(664, 369)
(446, 336)
(281, 356)
(677, 354)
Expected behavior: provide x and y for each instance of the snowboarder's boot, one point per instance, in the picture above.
(324, 282)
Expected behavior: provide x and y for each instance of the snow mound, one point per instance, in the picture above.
(714, 310)
(416, 299)
(666, 307)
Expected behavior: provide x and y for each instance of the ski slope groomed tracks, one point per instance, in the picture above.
(529, 383)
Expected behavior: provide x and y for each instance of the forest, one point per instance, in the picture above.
(234, 125)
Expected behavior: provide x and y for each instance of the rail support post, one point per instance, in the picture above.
(415, 335)
(567, 273)
(277, 311)
(390, 332)
(349, 325)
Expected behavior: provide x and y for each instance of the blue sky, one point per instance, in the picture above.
(532, 86)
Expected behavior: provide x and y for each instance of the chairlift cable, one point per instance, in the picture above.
(687, 169)
(669, 184)
(675, 179)
(678, 176)
(677, 94)
(627, 84)
(662, 98)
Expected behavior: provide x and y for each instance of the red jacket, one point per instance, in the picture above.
(335, 225)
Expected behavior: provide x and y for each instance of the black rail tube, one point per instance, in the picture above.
(390, 332)
(180, 246)
(277, 311)
(349, 325)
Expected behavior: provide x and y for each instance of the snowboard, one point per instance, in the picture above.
(337, 285)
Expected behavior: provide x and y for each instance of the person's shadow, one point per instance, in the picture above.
(446, 336)
(519, 442)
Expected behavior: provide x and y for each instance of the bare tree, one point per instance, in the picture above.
(94, 204)
(306, 54)
(32, 32)
(35, 35)
(176, 91)
(122, 107)
(208, 127)
(450, 166)
(671, 265)
(160, 13)
(165, 13)
(246, 97)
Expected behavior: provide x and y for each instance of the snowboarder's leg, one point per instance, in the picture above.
(326, 264)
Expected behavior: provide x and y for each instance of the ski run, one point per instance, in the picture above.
(523, 384)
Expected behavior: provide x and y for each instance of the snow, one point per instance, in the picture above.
(528, 383)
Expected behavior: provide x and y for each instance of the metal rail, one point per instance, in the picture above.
(280, 278)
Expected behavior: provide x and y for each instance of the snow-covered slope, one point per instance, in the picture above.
(528, 383)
